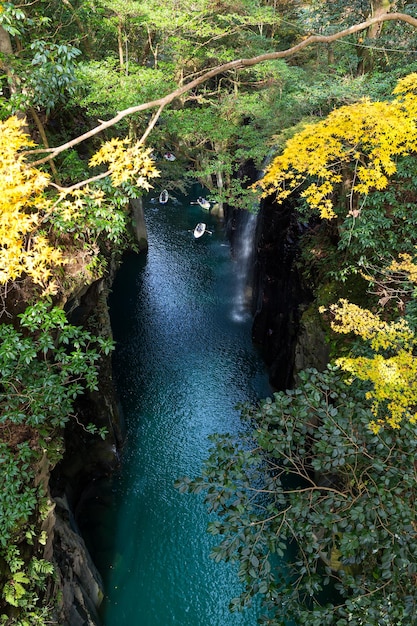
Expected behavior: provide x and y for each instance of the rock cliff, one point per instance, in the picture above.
(287, 336)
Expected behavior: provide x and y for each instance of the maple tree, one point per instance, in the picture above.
(335, 165)
(354, 146)
(26, 207)
(385, 360)
(21, 204)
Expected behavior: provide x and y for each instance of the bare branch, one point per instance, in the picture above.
(151, 124)
(231, 65)
(80, 184)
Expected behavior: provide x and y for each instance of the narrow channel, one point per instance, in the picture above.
(184, 360)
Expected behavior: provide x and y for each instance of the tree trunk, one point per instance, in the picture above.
(120, 43)
(5, 42)
(44, 138)
(366, 55)
(6, 50)
(330, 55)
(80, 26)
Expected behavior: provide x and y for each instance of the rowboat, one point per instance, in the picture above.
(199, 230)
(205, 204)
(163, 197)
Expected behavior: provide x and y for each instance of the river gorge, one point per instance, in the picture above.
(184, 360)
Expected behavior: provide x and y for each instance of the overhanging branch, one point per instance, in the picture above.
(231, 65)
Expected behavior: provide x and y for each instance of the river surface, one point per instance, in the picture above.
(184, 359)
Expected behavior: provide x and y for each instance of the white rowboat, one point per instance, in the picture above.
(163, 197)
(205, 204)
(199, 230)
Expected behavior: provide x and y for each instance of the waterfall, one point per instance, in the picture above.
(244, 255)
(243, 258)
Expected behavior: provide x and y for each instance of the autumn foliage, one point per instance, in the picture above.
(389, 366)
(23, 250)
(335, 165)
(28, 203)
(356, 145)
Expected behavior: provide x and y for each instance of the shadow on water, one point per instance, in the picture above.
(183, 362)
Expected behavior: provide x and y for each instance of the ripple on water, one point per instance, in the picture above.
(181, 366)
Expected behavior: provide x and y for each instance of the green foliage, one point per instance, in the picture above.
(18, 499)
(43, 373)
(72, 167)
(312, 501)
(12, 19)
(388, 223)
(390, 48)
(223, 123)
(23, 588)
(44, 367)
(51, 78)
(102, 216)
(47, 78)
(104, 90)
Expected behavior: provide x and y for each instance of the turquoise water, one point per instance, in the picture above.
(184, 360)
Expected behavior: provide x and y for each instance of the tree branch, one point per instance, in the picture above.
(80, 184)
(231, 65)
(151, 125)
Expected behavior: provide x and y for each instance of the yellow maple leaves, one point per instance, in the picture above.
(126, 161)
(391, 368)
(394, 386)
(405, 266)
(27, 204)
(356, 144)
(22, 250)
(348, 318)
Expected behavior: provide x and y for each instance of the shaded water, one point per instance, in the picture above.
(184, 360)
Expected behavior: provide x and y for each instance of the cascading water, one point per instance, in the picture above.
(243, 260)
(244, 251)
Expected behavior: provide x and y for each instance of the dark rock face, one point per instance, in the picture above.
(80, 583)
(87, 459)
(278, 292)
(138, 226)
(311, 349)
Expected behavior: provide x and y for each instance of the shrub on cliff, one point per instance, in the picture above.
(44, 366)
(316, 510)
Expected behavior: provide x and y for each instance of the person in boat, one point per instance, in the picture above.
(163, 196)
(199, 230)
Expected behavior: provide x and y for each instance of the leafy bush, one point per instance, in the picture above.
(313, 501)
(43, 373)
(44, 366)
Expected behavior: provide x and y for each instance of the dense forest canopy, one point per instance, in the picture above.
(93, 94)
